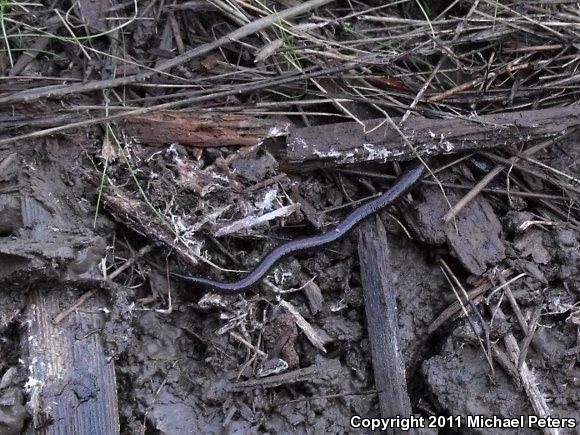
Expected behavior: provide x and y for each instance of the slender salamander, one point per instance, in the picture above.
(403, 184)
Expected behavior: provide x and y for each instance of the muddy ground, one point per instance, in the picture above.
(182, 370)
(143, 138)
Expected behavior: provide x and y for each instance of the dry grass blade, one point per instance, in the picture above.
(248, 29)
(207, 186)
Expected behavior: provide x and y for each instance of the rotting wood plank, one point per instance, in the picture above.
(132, 213)
(474, 236)
(381, 313)
(72, 383)
(195, 128)
(347, 143)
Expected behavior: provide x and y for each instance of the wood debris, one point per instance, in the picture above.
(202, 129)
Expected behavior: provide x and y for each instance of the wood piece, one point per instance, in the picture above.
(312, 292)
(303, 324)
(72, 383)
(347, 143)
(454, 311)
(313, 216)
(76, 304)
(129, 262)
(132, 212)
(328, 369)
(528, 380)
(201, 129)
(475, 297)
(474, 236)
(251, 221)
(381, 312)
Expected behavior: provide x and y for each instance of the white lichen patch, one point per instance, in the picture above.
(31, 383)
(445, 145)
(331, 153)
(276, 131)
(380, 153)
(267, 202)
(298, 142)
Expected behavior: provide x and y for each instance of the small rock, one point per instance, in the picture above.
(216, 391)
(12, 412)
(566, 238)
